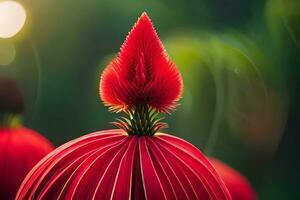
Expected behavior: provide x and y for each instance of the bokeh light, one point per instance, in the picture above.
(12, 18)
(7, 53)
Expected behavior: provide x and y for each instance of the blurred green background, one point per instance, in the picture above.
(239, 61)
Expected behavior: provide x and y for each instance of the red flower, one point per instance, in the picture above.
(112, 165)
(237, 184)
(142, 73)
(20, 147)
(136, 162)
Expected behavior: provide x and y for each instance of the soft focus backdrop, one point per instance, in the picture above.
(239, 60)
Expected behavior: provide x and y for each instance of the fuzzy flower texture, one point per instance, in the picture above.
(142, 73)
(136, 161)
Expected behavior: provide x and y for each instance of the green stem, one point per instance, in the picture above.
(9, 120)
(141, 121)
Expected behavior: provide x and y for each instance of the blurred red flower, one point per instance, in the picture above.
(20, 147)
(137, 162)
(237, 184)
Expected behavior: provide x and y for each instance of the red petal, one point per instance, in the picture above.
(123, 182)
(111, 165)
(237, 184)
(57, 161)
(20, 149)
(151, 182)
(173, 186)
(142, 73)
(105, 185)
(137, 190)
(176, 176)
(194, 159)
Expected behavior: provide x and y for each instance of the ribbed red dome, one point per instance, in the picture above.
(112, 165)
(20, 149)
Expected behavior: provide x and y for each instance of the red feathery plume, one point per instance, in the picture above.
(142, 73)
(20, 147)
(134, 162)
(237, 184)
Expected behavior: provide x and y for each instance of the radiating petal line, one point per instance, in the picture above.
(46, 163)
(79, 173)
(180, 166)
(163, 175)
(63, 156)
(175, 182)
(137, 177)
(201, 177)
(152, 185)
(197, 155)
(64, 148)
(60, 175)
(106, 174)
(121, 188)
(217, 182)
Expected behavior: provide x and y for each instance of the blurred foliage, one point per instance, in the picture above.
(229, 88)
(239, 61)
(284, 16)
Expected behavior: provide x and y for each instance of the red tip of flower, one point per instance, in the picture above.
(142, 73)
(237, 184)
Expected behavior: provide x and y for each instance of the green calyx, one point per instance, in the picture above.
(141, 120)
(9, 120)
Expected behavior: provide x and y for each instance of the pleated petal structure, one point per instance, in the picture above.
(112, 165)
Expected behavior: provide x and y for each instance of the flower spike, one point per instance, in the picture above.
(142, 73)
(138, 162)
